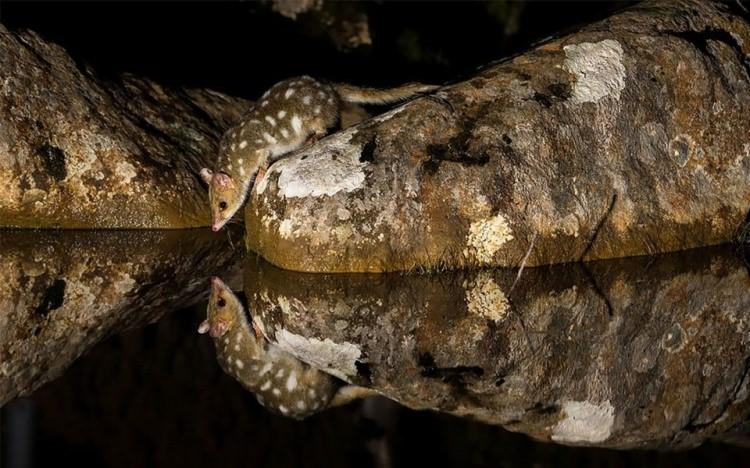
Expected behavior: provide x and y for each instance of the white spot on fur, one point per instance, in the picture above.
(738, 39)
(316, 111)
(289, 92)
(243, 144)
(280, 373)
(297, 124)
(291, 382)
(266, 368)
(265, 386)
(306, 100)
(276, 391)
(271, 120)
(486, 299)
(320, 174)
(239, 364)
(301, 405)
(338, 359)
(267, 136)
(284, 133)
(486, 236)
(584, 422)
(264, 103)
(283, 409)
(599, 70)
(281, 114)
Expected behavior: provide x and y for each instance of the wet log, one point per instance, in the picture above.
(79, 150)
(629, 137)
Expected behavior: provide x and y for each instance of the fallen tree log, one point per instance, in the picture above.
(81, 151)
(629, 137)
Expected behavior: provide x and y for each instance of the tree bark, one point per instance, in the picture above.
(629, 137)
(82, 151)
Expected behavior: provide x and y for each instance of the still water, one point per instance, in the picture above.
(616, 363)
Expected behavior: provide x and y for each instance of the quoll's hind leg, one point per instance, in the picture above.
(262, 168)
(261, 173)
(318, 131)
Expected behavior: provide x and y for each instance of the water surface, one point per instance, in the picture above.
(101, 364)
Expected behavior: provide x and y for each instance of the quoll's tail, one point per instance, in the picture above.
(359, 95)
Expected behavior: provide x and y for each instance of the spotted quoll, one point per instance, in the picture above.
(288, 115)
(281, 382)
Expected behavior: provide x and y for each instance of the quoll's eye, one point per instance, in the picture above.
(222, 205)
(221, 302)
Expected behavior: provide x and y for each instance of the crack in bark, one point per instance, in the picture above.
(598, 228)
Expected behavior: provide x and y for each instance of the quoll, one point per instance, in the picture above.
(288, 115)
(281, 382)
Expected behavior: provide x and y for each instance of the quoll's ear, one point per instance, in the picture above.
(206, 175)
(222, 180)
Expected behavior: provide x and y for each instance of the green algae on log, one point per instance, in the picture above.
(627, 353)
(62, 292)
(629, 137)
(80, 151)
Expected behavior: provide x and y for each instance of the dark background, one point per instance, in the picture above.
(155, 396)
(242, 48)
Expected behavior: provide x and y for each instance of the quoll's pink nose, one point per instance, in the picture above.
(215, 228)
(215, 280)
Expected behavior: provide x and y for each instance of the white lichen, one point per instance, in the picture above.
(598, 68)
(126, 171)
(285, 228)
(584, 422)
(322, 170)
(338, 359)
(486, 236)
(486, 299)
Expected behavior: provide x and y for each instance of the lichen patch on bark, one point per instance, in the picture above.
(487, 236)
(320, 171)
(599, 70)
(584, 422)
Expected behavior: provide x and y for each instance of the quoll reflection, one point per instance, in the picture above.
(639, 352)
(280, 381)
